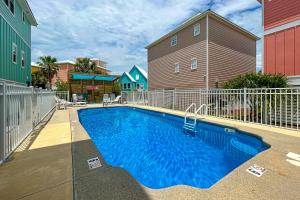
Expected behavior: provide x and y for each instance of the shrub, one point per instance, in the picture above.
(257, 80)
(62, 86)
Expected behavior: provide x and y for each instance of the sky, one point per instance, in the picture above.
(117, 31)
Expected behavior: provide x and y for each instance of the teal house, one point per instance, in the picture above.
(16, 19)
(134, 80)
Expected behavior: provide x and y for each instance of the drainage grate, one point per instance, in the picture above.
(256, 170)
(94, 163)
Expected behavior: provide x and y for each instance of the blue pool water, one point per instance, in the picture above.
(156, 151)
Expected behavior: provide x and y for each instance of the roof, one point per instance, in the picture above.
(65, 62)
(143, 72)
(199, 16)
(27, 10)
(259, 1)
(104, 68)
(97, 59)
(92, 77)
(129, 76)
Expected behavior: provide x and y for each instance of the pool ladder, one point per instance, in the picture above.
(193, 116)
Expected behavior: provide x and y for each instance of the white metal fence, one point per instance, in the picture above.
(21, 109)
(274, 107)
(65, 95)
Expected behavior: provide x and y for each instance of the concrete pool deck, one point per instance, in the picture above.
(52, 164)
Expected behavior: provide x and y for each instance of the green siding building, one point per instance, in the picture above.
(135, 79)
(16, 19)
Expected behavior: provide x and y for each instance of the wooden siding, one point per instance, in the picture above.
(282, 50)
(15, 21)
(279, 12)
(161, 71)
(185, 38)
(230, 53)
(8, 69)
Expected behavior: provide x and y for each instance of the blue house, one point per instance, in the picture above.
(134, 80)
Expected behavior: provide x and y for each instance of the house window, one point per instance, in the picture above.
(14, 53)
(137, 77)
(141, 86)
(23, 59)
(174, 41)
(11, 5)
(128, 85)
(124, 85)
(177, 66)
(197, 29)
(194, 64)
(23, 16)
(138, 86)
(6, 2)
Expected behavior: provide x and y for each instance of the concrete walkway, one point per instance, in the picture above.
(41, 168)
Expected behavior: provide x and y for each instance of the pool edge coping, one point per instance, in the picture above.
(177, 188)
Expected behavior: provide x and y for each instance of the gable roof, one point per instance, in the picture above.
(199, 16)
(28, 12)
(129, 76)
(141, 70)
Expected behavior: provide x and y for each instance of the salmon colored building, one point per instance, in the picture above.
(65, 67)
(281, 22)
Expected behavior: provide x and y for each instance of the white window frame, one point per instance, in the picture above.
(137, 77)
(194, 63)
(173, 41)
(12, 53)
(177, 68)
(8, 6)
(23, 59)
(197, 29)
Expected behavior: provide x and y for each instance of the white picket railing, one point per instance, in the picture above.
(21, 109)
(274, 107)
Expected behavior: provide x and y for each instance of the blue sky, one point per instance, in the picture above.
(117, 31)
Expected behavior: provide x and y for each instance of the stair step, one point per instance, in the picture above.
(189, 128)
(189, 124)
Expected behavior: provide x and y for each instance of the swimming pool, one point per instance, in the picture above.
(156, 151)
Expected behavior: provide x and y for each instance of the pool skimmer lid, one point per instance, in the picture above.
(256, 170)
(94, 163)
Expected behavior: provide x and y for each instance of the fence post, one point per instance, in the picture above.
(163, 98)
(174, 98)
(245, 109)
(2, 123)
(32, 110)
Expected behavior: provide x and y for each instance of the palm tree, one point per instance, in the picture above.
(85, 65)
(49, 67)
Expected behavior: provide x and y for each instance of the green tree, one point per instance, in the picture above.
(116, 87)
(62, 86)
(38, 79)
(85, 65)
(257, 80)
(49, 67)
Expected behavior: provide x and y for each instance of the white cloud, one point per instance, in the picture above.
(116, 30)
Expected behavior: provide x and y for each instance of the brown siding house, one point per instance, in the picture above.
(183, 58)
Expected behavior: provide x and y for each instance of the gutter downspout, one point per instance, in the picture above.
(207, 43)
